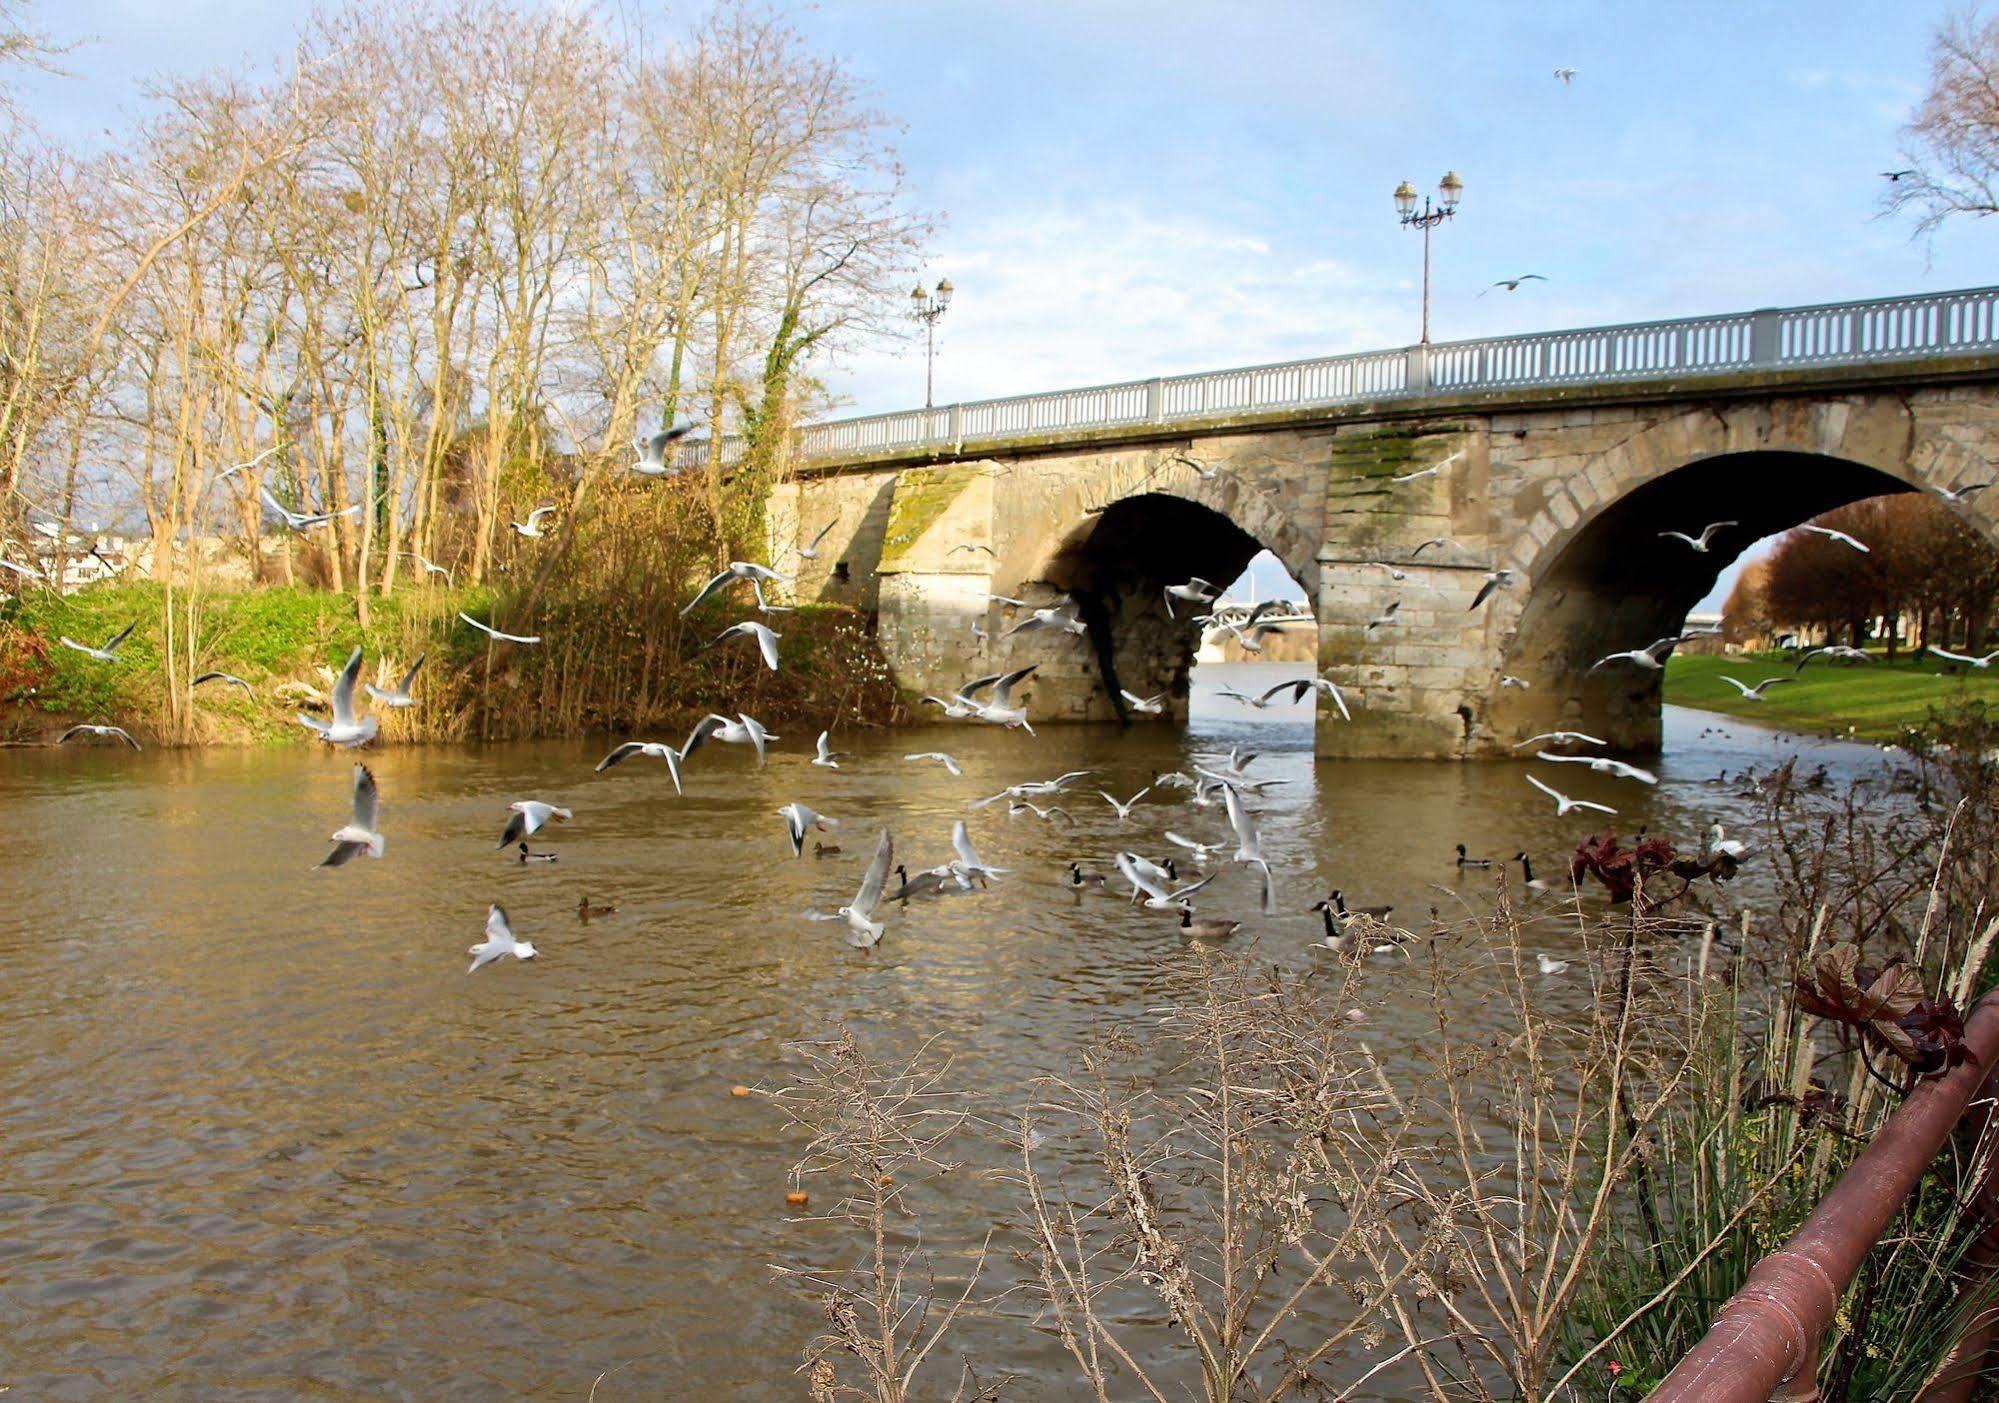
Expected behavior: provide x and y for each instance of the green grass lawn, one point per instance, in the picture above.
(1879, 700)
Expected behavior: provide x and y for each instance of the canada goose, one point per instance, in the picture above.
(1464, 861)
(1527, 877)
(922, 884)
(1338, 898)
(1079, 880)
(825, 849)
(526, 856)
(1207, 928)
(586, 913)
(1337, 918)
(1336, 938)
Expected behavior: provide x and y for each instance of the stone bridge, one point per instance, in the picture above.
(1559, 456)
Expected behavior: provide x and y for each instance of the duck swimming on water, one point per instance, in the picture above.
(1464, 861)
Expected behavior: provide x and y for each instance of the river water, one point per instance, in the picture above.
(264, 1138)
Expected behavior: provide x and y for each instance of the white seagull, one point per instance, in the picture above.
(826, 757)
(1149, 882)
(531, 528)
(1949, 656)
(492, 632)
(229, 678)
(1494, 579)
(1058, 616)
(362, 832)
(969, 863)
(1196, 591)
(230, 472)
(799, 820)
(940, 757)
(652, 749)
(1756, 693)
(1651, 657)
(27, 571)
(1835, 535)
(500, 941)
(91, 730)
(736, 570)
(1700, 542)
(1124, 809)
(750, 628)
(1144, 706)
(529, 817)
(109, 652)
(1958, 494)
(744, 730)
(1001, 711)
(863, 930)
(343, 730)
(1298, 689)
(651, 461)
(303, 521)
(1507, 680)
(1430, 471)
(811, 552)
(431, 567)
(1559, 738)
(399, 695)
(1249, 845)
(1387, 617)
(1563, 803)
(1603, 765)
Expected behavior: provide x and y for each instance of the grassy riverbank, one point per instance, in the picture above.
(1878, 700)
(602, 666)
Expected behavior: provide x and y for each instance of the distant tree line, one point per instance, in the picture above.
(445, 259)
(1927, 578)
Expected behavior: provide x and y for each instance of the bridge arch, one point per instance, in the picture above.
(1597, 577)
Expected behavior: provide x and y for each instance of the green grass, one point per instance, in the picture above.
(1878, 700)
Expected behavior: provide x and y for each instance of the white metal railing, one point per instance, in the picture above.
(1926, 325)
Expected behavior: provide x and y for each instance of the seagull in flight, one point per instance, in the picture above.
(1144, 706)
(362, 832)
(1513, 284)
(109, 652)
(1033, 787)
(799, 820)
(1507, 679)
(90, 730)
(1835, 535)
(343, 730)
(500, 941)
(750, 628)
(1425, 545)
(230, 472)
(1494, 579)
(1300, 687)
(1756, 693)
(1387, 617)
(1001, 711)
(651, 461)
(973, 546)
(1394, 574)
(1603, 765)
(1124, 809)
(530, 816)
(743, 730)
(1563, 803)
(1206, 474)
(1567, 75)
(431, 567)
(399, 695)
(863, 930)
(303, 521)
(26, 571)
(736, 570)
(1249, 844)
(1058, 616)
(1651, 657)
(652, 749)
(1892, 176)
(1846, 654)
(969, 864)
(229, 678)
(1559, 738)
(531, 528)
(1959, 494)
(940, 757)
(1948, 656)
(495, 633)
(825, 756)
(1700, 542)
(1430, 471)
(811, 552)
(1149, 882)
(1195, 591)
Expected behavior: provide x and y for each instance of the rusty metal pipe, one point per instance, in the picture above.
(1768, 1333)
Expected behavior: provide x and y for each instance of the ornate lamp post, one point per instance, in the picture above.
(1449, 191)
(927, 307)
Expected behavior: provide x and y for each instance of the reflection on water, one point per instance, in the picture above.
(266, 1139)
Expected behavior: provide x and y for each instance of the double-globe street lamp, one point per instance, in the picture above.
(1449, 191)
(927, 307)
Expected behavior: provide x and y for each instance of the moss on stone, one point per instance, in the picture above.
(922, 496)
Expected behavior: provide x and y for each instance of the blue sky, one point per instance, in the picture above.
(1128, 189)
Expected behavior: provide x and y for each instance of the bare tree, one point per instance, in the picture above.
(1951, 143)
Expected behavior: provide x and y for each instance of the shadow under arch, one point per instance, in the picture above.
(1116, 565)
(1617, 583)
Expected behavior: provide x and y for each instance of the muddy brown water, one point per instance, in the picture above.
(264, 1138)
